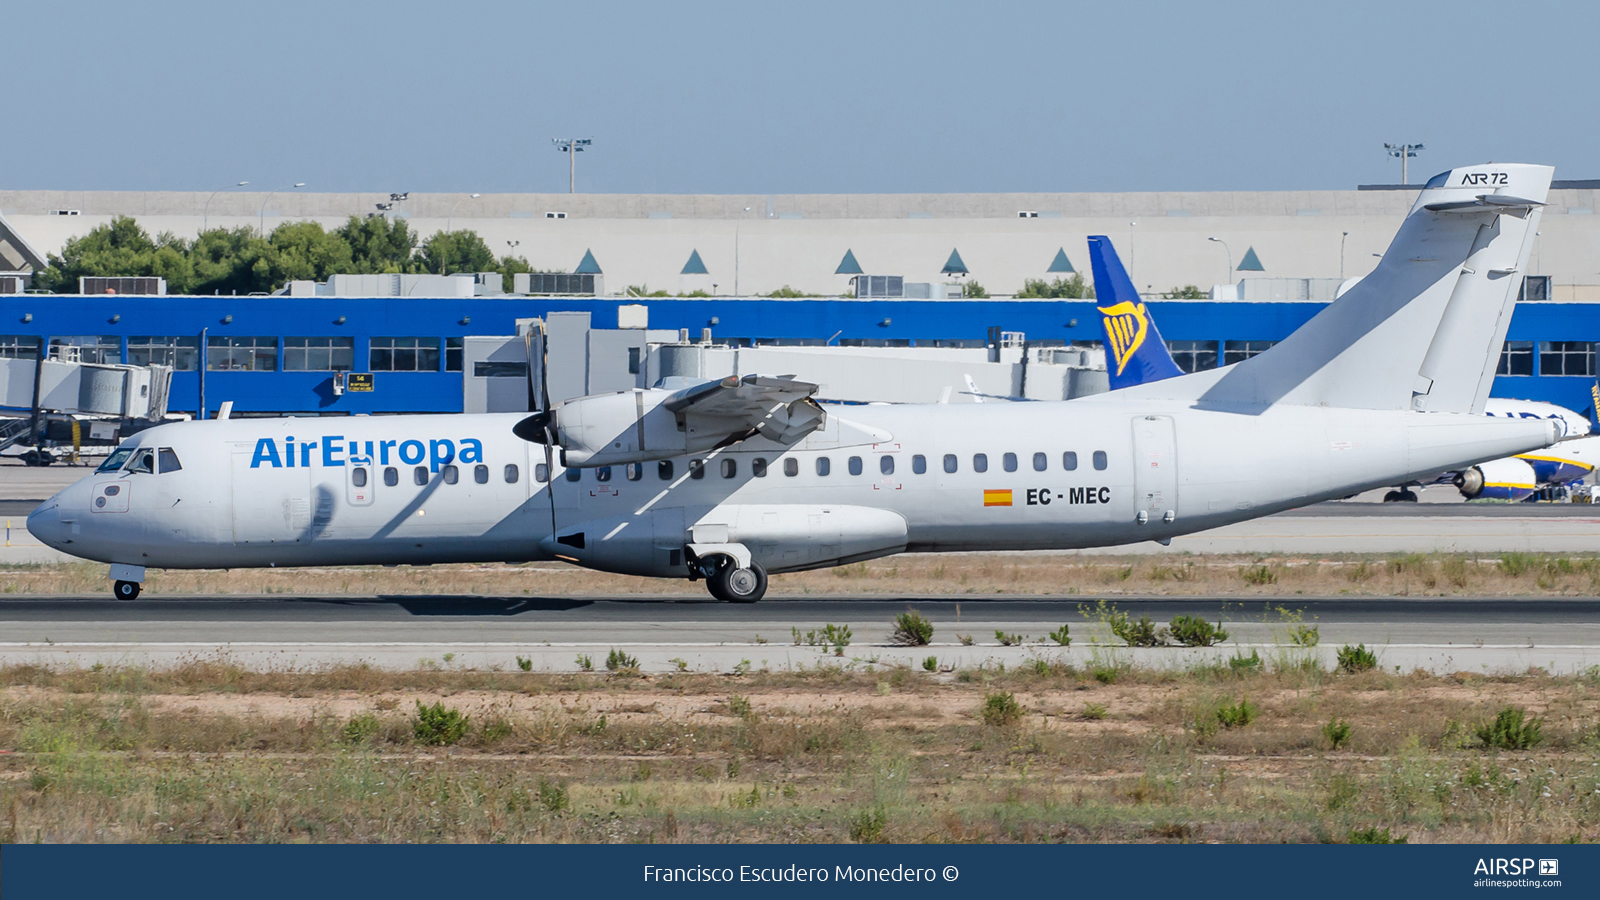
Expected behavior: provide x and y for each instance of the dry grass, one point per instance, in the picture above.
(932, 575)
(210, 752)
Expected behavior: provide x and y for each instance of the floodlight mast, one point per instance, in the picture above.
(1403, 152)
(572, 147)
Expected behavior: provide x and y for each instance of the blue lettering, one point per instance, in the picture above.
(288, 449)
(305, 453)
(266, 452)
(442, 453)
(332, 444)
(411, 452)
(471, 450)
(383, 451)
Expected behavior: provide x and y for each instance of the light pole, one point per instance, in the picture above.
(1403, 152)
(1227, 250)
(1131, 226)
(1342, 237)
(206, 217)
(297, 184)
(572, 147)
(736, 251)
(451, 218)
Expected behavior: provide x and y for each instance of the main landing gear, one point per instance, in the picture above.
(1404, 495)
(730, 582)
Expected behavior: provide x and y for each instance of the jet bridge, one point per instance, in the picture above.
(39, 392)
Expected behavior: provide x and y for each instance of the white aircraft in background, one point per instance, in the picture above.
(731, 480)
(1136, 354)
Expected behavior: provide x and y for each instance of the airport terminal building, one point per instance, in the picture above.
(1274, 257)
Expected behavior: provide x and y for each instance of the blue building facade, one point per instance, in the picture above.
(279, 353)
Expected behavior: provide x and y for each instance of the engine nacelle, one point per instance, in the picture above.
(1498, 479)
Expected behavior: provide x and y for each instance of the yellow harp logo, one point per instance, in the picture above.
(1126, 325)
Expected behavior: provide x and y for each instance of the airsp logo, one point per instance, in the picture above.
(1127, 325)
(1549, 867)
(1524, 866)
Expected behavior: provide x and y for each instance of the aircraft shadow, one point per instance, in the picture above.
(469, 605)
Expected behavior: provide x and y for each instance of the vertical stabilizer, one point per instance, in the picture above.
(1135, 352)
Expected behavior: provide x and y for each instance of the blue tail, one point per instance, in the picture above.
(1135, 352)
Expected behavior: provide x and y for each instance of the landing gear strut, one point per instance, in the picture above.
(1404, 495)
(731, 583)
(126, 590)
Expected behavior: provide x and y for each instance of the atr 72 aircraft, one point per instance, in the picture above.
(731, 480)
(1136, 354)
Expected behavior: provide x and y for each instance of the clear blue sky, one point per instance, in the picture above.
(814, 97)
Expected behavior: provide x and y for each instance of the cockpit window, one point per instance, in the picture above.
(169, 461)
(144, 461)
(114, 462)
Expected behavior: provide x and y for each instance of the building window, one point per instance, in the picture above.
(318, 354)
(1239, 351)
(403, 354)
(1566, 358)
(1100, 460)
(1193, 356)
(91, 348)
(1516, 358)
(181, 353)
(633, 360)
(452, 355)
(1534, 287)
(242, 354)
(19, 346)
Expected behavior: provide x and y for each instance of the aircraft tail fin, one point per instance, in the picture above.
(1424, 331)
(1135, 352)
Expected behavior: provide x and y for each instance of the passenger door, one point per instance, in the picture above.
(1155, 469)
(270, 504)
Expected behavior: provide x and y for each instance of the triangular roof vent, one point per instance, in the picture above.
(954, 265)
(1061, 263)
(694, 266)
(1251, 262)
(588, 266)
(848, 265)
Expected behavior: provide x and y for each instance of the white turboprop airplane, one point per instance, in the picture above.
(730, 480)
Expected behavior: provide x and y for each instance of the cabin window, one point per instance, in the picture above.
(664, 470)
(512, 475)
(886, 465)
(1040, 462)
(1009, 461)
(480, 474)
(1069, 460)
(451, 474)
(980, 462)
(358, 476)
(1100, 460)
(791, 467)
(824, 465)
(420, 475)
(697, 469)
(919, 464)
(855, 465)
(574, 474)
(758, 467)
(950, 463)
(144, 461)
(730, 467)
(634, 471)
(391, 476)
(541, 472)
(169, 460)
(602, 474)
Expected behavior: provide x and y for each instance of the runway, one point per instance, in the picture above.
(1499, 634)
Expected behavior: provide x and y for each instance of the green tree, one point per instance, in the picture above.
(303, 251)
(1187, 292)
(1073, 288)
(223, 261)
(378, 245)
(973, 289)
(509, 267)
(119, 248)
(451, 252)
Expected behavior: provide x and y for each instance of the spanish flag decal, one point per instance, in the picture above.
(996, 498)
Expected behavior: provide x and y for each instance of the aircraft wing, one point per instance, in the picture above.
(776, 406)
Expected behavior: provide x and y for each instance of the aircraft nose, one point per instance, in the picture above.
(44, 522)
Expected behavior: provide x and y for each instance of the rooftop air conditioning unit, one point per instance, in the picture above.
(558, 283)
(880, 286)
(95, 284)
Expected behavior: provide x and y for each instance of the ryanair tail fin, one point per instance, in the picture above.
(1135, 352)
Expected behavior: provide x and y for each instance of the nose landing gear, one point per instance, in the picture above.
(126, 580)
(126, 590)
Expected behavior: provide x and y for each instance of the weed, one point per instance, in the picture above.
(438, 725)
(965, 639)
(1000, 708)
(1094, 711)
(1242, 664)
(1454, 569)
(1062, 636)
(911, 629)
(1258, 575)
(525, 664)
(868, 826)
(1142, 633)
(1193, 631)
(1336, 732)
(1375, 835)
(1356, 659)
(739, 706)
(1358, 573)
(836, 636)
(1237, 715)
(1517, 564)
(617, 661)
(1305, 635)
(742, 668)
(553, 795)
(930, 664)
(584, 662)
(360, 729)
(496, 730)
(1510, 730)
(681, 664)
(1008, 640)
